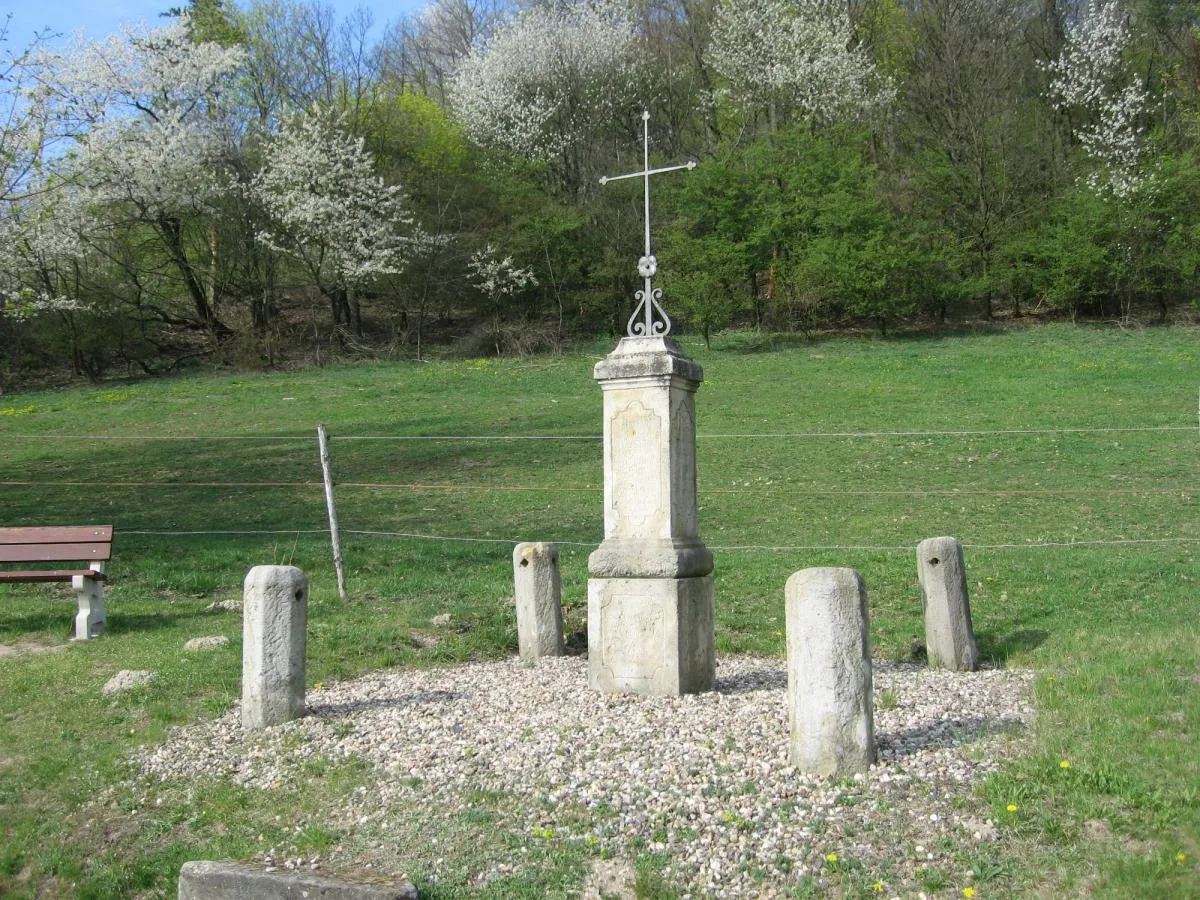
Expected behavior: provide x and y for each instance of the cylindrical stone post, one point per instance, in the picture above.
(949, 638)
(538, 591)
(274, 623)
(830, 705)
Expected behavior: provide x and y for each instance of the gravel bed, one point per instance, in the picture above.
(703, 780)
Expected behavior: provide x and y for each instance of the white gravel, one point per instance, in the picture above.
(703, 779)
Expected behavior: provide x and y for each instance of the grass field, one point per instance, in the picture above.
(1065, 458)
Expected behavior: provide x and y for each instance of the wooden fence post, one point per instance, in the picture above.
(327, 471)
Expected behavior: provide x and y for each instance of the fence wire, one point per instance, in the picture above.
(1184, 492)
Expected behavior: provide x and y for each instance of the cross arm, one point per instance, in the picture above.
(690, 164)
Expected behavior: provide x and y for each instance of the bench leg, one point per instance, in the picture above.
(89, 621)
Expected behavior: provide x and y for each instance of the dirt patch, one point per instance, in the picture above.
(28, 648)
(610, 878)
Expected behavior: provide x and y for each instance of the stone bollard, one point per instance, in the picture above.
(274, 622)
(830, 705)
(949, 638)
(538, 591)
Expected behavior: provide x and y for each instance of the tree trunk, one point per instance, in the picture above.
(355, 310)
(171, 230)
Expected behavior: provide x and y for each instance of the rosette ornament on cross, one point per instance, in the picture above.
(649, 319)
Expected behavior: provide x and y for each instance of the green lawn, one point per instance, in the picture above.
(1071, 481)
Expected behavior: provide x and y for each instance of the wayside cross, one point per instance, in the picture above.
(649, 319)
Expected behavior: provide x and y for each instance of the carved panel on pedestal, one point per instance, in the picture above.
(636, 455)
(633, 645)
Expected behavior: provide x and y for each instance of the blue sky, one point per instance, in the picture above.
(100, 17)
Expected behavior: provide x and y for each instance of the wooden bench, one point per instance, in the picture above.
(88, 543)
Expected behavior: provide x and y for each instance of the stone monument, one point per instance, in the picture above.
(650, 597)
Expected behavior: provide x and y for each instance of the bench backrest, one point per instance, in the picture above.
(83, 542)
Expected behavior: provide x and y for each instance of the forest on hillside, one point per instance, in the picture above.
(249, 183)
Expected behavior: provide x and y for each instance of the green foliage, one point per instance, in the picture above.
(964, 195)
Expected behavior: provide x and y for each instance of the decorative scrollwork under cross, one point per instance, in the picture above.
(649, 319)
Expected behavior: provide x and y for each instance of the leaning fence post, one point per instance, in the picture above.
(327, 471)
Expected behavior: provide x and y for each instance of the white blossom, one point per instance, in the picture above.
(1091, 76)
(42, 238)
(802, 53)
(497, 278)
(134, 115)
(547, 78)
(327, 206)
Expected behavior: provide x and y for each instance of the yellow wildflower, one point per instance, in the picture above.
(1181, 858)
(1065, 764)
(831, 857)
(878, 887)
(968, 892)
(1012, 807)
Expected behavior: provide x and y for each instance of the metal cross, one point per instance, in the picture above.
(643, 322)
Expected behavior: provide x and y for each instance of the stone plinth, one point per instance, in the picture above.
(537, 589)
(274, 633)
(650, 598)
(830, 706)
(949, 637)
(210, 880)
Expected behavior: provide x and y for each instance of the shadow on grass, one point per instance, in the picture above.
(52, 621)
(120, 623)
(62, 622)
(746, 343)
(999, 649)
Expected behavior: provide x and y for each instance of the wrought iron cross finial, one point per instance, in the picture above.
(649, 319)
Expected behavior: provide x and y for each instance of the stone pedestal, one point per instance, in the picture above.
(650, 598)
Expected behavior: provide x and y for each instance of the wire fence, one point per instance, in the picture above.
(1183, 489)
(981, 432)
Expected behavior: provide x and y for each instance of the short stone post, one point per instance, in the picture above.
(830, 705)
(949, 638)
(538, 591)
(274, 623)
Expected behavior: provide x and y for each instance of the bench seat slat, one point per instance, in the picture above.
(54, 552)
(51, 575)
(58, 534)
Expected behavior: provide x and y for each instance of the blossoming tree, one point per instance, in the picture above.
(137, 128)
(793, 54)
(497, 279)
(1092, 78)
(328, 210)
(550, 81)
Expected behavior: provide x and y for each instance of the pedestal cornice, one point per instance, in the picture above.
(648, 357)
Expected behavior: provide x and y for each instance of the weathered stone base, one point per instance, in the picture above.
(206, 880)
(651, 636)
